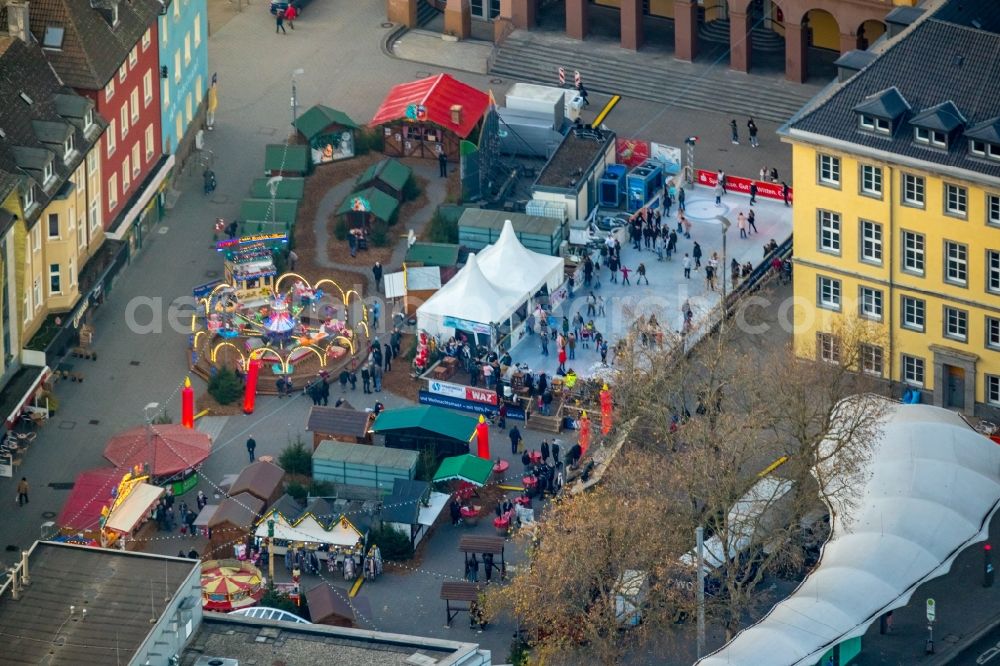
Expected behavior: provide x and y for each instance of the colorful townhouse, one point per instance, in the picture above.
(108, 51)
(50, 180)
(897, 214)
(184, 78)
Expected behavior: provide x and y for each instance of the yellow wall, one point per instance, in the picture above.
(663, 8)
(825, 32)
(932, 222)
(609, 3)
(64, 249)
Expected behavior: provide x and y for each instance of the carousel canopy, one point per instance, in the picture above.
(135, 507)
(509, 263)
(165, 449)
(928, 491)
(437, 94)
(469, 297)
(469, 468)
(91, 492)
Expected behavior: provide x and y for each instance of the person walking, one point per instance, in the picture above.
(625, 271)
(600, 306)
(752, 131)
(735, 138)
(324, 390)
(562, 361)
(455, 509)
(591, 305)
(279, 22)
(719, 191)
(22, 491)
(443, 164)
(750, 221)
(680, 200)
(686, 262)
(741, 222)
(641, 273)
(290, 15)
(784, 192)
(377, 274)
(515, 440)
(544, 338)
(753, 192)
(251, 447)
(711, 268)
(377, 377)
(720, 177)
(696, 254)
(571, 345)
(544, 448)
(734, 272)
(387, 355)
(366, 379)
(613, 267)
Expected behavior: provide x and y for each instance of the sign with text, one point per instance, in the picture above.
(668, 155)
(514, 412)
(741, 185)
(471, 393)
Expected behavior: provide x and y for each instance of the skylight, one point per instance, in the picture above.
(53, 38)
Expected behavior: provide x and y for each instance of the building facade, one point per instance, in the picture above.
(897, 216)
(183, 47)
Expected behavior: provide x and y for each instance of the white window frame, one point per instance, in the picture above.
(150, 150)
(134, 105)
(870, 303)
(993, 209)
(126, 174)
(147, 88)
(956, 200)
(913, 313)
(828, 347)
(871, 242)
(991, 386)
(147, 39)
(197, 29)
(977, 147)
(187, 48)
(992, 332)
(48, 226)
(914, 369)
(28, 198)
(136, 160)
(993, 151)
(123, 117)
(914, 190)
(48, 173)
(92, 161)
(113, 191)
(829, 294)
(871, 180)
(133, 55)
(72, 272)
(69, 148)
(36, 290)
(828, 172)
(58, 277)
(993, 271)
(956, 263)
(123, 72)
(872, 360)
(88, 120)
(953, 320)
(109, 89)
(94, 215)
(828, 231)
(917, 251)
(177, 65)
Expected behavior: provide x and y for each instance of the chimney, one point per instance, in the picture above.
(456, 114)
(17, 20)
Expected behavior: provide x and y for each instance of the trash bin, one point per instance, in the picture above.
(573, 107)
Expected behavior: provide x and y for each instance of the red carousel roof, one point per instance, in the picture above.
(171, 449)
(437, 94)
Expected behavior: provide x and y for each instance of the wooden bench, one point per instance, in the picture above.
(459, 592)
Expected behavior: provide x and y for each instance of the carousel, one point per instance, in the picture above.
(298, 328)
(228, 585)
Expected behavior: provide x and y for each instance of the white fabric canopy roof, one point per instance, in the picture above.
(929, 491)
(309, 530)
(135, 507)
(469, 296)
(509, 263)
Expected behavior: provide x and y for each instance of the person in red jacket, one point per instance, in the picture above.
(290, 15)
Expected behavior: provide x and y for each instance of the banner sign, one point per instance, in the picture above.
(471, 393)
(631, 152)
(427, 398)
(668, 155)
(466, 325)
(741, 185)
(235, 243)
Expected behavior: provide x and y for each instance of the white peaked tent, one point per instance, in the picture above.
(508, 262)
(468, 301)
(928, 491)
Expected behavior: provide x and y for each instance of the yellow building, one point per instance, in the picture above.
(897, 213)
(50, 219)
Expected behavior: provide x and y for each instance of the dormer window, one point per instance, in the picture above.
(977, 147)
(48, 173)
(69, 148)
(88, 119)
(930, 137)
(29, 197)
(873, 124)
(114, 15)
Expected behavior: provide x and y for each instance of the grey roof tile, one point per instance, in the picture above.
(943, 117)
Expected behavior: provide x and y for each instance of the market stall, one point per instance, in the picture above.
(425, 427)
(340, 423)
(471, 305)
(412, 508)
(430, 116)
(169, 453)
(232, 522)
(535, 271)
(332, 532)
(263, 480)
(92, 489)
(389, 176)
(329, 133)
(331, 607)
(467, 468)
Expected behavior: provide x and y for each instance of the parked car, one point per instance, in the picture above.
(283, 5)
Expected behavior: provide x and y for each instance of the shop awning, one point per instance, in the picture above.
(91, 492)
(469, 468)
(20, 390)
(135, 507)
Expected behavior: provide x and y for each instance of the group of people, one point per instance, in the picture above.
(166, 518)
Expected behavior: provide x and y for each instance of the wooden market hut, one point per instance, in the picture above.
(330, 133)
(444, 255)
(389, 176)
(268, 215)
(329, 607)
(286, 160)
(364, 207)
(427, 117)
(263, 480)
(339, 423)
(233, 520)
(425, 427)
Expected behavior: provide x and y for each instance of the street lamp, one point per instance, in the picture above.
(689, 144)
(295, 97)
(725, 229)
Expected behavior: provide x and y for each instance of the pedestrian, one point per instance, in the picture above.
(526, 460)
(753, 192)
(720, 177)
(696, 254)
(22, 491)
(641, 273)
(680, 200)
(377, 378)
(279, 22)
(741, 222)
(290, 15)
(366, 379)
(711, 268)
(544, 448)
(353, 378)
(377, 274)
(613, 267)
(734, 271)
(582, 92)
(473, 574)
(387, 353)
(686, 262)
(591, 305)
(455, 509)
(555, 451)
(571, 345)
(719, 191)
(544, 337)
(251, 447)
(735, 138)
(604, 352)
(324, 390)
(515, 440)
(201, 500)
(443, 164)
(600, 306)
(750, 220)
(292, 259)
(784, 192)
(376, 313)
(752, 131)
(344, 377)
(625, 271)
(562, 360)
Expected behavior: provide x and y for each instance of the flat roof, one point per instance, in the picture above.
(38, 628)
(365, 454)
(481, 218)
(253, 640)
(573, 159)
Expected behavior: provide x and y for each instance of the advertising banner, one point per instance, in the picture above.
(428, 398)
(631, 152)
(765, 190)
(471, 393)
(669, 155)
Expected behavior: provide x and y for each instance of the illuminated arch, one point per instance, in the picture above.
(319, 354)
(329, 281)
(347, 296)
(364, 326)
(350, 343)
(194, 343)
(260, 352)
(215, 352)
(277, 283)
